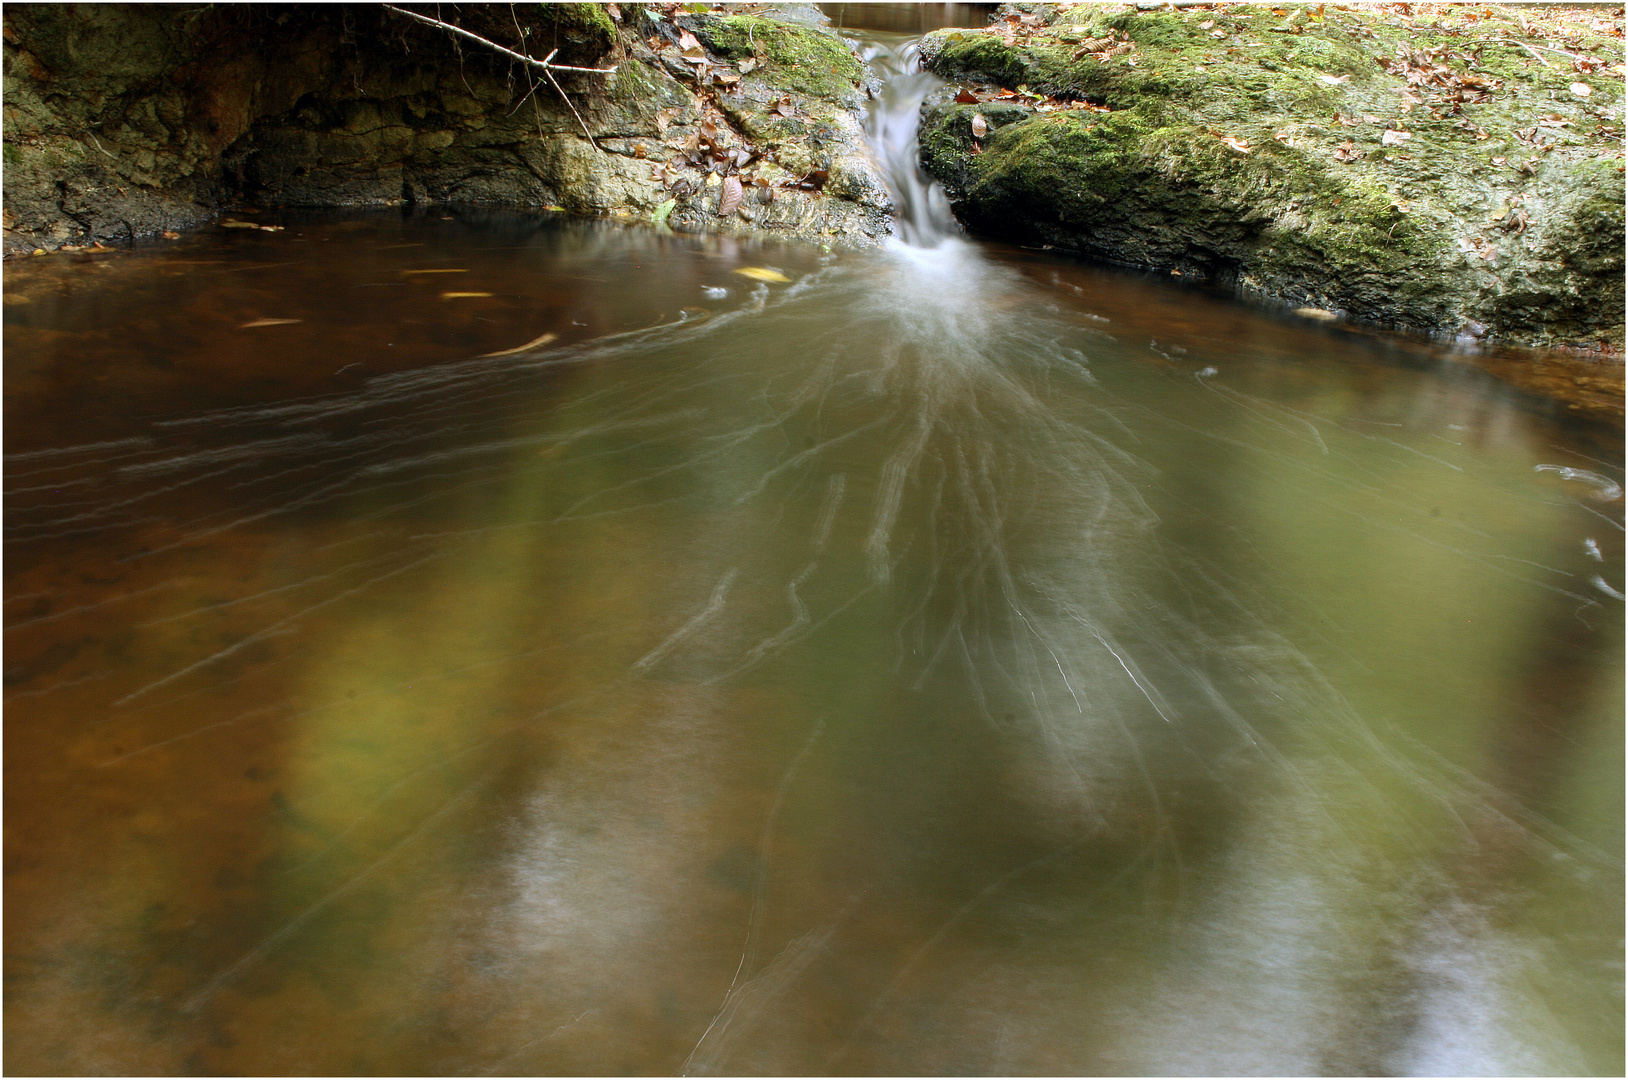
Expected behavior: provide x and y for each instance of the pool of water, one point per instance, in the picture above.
(487, 643)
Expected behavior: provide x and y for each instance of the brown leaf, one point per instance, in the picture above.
(966, 98)
(268, 322)
(689, 47)
(980, 126)
(730, 198)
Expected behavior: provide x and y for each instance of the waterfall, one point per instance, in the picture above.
(921, 209)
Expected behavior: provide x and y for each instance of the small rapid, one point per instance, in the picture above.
(921, 210)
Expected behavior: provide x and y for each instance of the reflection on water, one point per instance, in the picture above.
(952, 661)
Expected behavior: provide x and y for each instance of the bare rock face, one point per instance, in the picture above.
(123, 121)
(1444, 178)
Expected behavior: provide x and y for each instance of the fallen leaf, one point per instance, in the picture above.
(1218, 34)
(229, 223)
(458, 271)
(1206, 24)
(171, 234)
(730, 198)
(1335, 80)
(535, 343)
(268, 322)
(1347, 151)
(1394, 138)
(462, 295)
(1240, 145)
(980, 126)
(749, 65)
(689, 48)
(763, 273)
(966, 98)
(659, 215)
(1581, 89)
(614, 12)
(1320, 314)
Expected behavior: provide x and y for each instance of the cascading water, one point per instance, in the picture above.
(921, 210)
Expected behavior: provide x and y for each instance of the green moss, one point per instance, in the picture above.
(803, 59)
(582, 32)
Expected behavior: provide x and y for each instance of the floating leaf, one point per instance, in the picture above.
(730, 198)
(456, 271)
(1320, 314)
(534, 343)
(268, 322)
(230, 223)
(763, 273)
(980, 126)
(462, 295)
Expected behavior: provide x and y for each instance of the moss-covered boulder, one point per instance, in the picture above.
(1461, 175)
(126, 120)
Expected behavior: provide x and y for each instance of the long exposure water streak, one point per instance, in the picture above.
(953, 661)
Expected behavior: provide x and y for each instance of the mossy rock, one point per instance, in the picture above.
(807, 60)
(1249, 146)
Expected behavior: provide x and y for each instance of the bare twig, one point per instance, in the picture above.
(1529, 48)
(548, 70)
(545, 65)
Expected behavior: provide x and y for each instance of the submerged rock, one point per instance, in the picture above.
(1447, 179)
(127, 120)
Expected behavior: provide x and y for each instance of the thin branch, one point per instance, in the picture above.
(1533, 49)
(545, 65)
(548, 70)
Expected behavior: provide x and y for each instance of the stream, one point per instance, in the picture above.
(478, 642)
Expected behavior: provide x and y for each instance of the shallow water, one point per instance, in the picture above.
(946, 661)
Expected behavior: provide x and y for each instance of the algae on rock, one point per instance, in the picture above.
(1444, 179)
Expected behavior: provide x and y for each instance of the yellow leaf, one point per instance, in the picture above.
(459, 295)
(762, 273)
(435, 271)
(268, 322)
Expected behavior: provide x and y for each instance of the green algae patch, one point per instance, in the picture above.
(1459, 176)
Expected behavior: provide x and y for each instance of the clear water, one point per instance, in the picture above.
(947, 660)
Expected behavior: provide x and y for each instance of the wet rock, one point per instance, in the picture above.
(1419, 178)
(125, 121)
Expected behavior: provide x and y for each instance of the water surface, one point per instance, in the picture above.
(480, 643)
